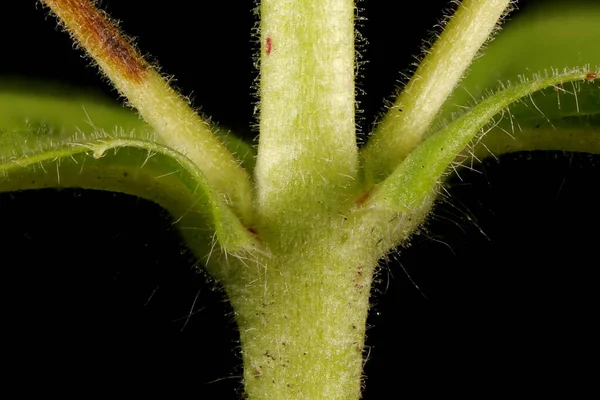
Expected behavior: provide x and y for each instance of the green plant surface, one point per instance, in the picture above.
(541, 44)
(57, 143)
(435, 78)
(296, 246)
(412, 182)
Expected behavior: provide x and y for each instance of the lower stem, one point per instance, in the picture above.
(302, 325)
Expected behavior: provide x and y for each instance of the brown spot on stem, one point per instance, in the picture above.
(101, 38)
(360, 280)
(363, 198)
(268, 45)
(590, 76)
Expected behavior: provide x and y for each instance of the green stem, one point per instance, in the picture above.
(307, 158)
(404, 125)
(302, 318)
(302, 313)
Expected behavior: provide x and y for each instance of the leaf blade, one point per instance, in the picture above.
(55, 146)
(416, 179)
(545, 40)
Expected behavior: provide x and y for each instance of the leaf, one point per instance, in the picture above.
(541, 42)
(557, 108)
(23, 105)
(48, 141)
(416, 179)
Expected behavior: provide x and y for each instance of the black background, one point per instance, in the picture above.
(97, 286)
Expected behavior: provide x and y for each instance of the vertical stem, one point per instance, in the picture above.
(307, 158)
(302, 320)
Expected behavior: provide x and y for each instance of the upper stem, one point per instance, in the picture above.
(307, 157)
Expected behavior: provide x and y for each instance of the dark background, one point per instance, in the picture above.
(97, 286)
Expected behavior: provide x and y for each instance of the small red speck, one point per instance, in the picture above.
(268, 45)
(590, 76)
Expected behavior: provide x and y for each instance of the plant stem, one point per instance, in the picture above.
(302, 319)
(302, 313)
(404, 125)
(165, 110)
(307, 157)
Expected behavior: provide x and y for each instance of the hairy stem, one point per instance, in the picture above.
(403, 127)
(307, 157)
(302, 317)
(145, 89)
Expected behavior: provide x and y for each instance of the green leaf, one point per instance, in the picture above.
(49, 141)
(29, 106)
(415, 181)
(556, 108)
(541, 42)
